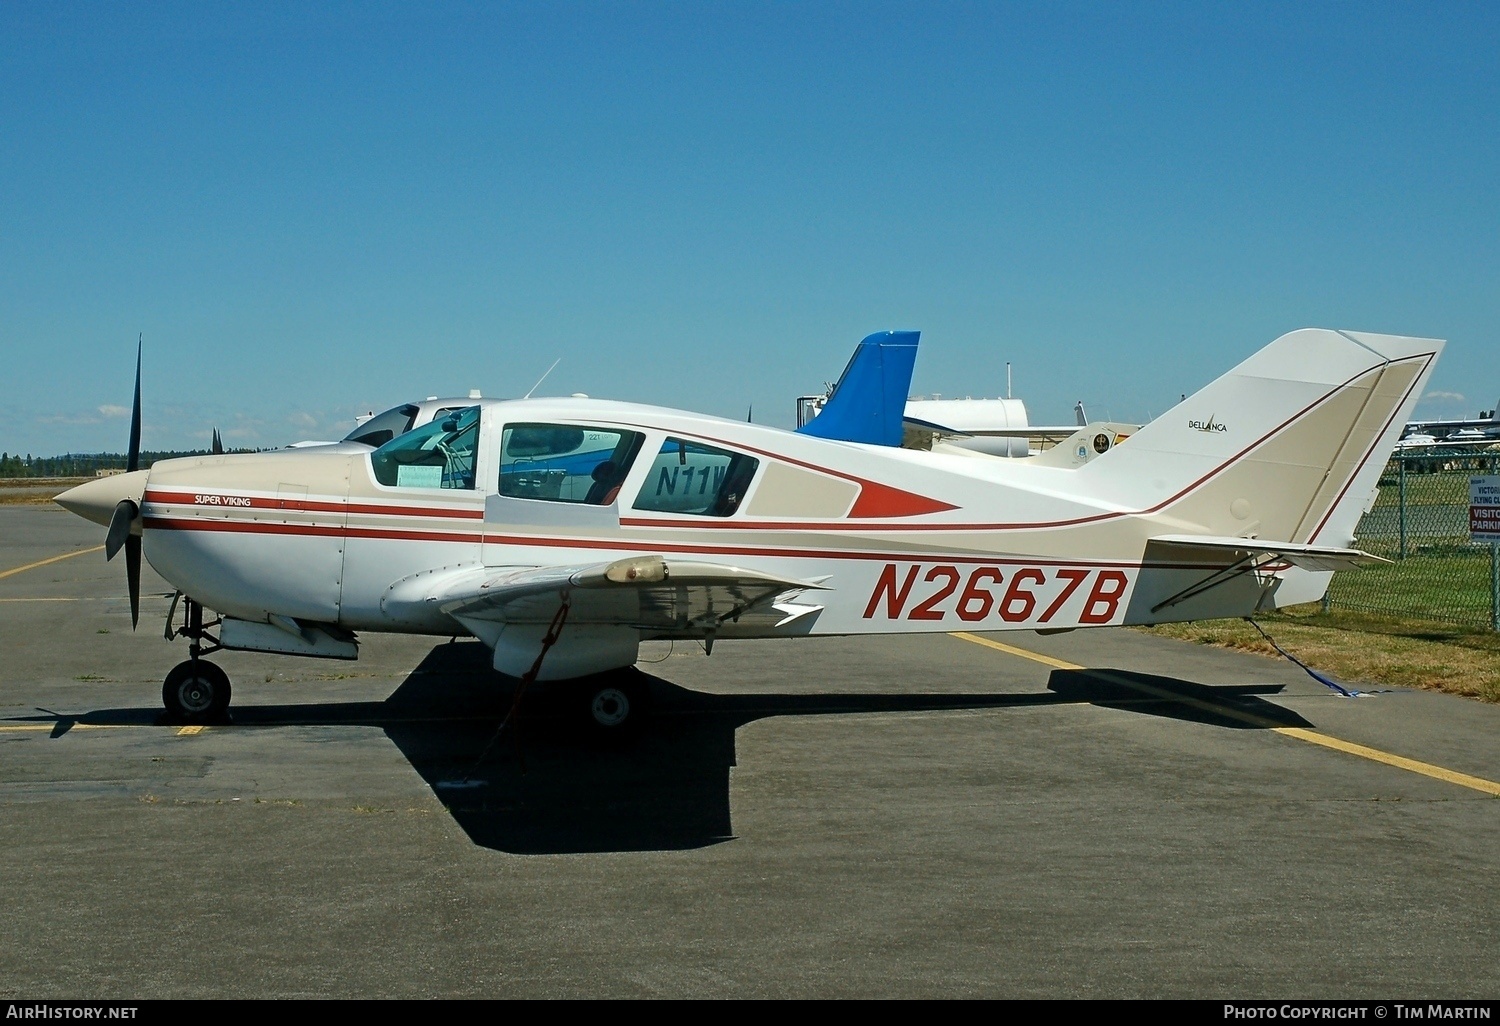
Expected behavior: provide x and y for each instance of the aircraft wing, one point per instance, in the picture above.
(647, 592)
(1308, 557)
(1040, 431)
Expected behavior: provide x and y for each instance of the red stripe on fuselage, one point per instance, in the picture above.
(352, 506)
(308, 530)
(532, 541)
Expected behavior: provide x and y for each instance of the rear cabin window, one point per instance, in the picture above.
(566, 462)
(690, 477)
(437, 455)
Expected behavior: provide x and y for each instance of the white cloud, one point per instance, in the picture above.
(111, 410)
(1443, 397)
(302, 419)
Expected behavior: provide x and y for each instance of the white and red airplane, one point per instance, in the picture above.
(563, 532)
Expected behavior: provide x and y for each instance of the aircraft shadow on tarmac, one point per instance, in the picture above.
(547, 785)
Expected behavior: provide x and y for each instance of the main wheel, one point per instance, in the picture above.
(196, 691)
(614, 703)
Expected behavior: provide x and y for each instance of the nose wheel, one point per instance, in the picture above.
(196, 691)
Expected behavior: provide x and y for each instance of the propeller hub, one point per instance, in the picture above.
(96, 500)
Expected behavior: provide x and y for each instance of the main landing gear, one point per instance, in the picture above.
(196, 690)
(613, 704)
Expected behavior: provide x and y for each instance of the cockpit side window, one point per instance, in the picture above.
(383, 427)
(566, 462)
(438, 455)
(690, 477)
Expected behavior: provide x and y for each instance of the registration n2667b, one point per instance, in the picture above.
(1013, 595)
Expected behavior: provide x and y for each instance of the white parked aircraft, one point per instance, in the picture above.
(563, 532)
(375, 429)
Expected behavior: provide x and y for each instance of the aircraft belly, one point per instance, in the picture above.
(249, 575)
(372, 565)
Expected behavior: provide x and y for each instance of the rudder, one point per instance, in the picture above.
(1289, 445)
(869, 401)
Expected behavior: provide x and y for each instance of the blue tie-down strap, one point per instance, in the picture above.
(1314, 674)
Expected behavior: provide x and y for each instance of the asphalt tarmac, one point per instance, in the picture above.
(887, 817)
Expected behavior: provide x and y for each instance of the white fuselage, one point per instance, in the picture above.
(314, 536)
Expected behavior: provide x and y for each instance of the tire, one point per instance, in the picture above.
(614, 704)
(196, 691)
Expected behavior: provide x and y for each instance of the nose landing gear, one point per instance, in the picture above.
(196, 690)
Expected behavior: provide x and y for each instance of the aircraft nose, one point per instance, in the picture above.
(96, 500)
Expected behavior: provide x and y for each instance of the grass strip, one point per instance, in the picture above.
(1364, 649)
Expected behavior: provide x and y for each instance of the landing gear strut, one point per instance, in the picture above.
(196, 690)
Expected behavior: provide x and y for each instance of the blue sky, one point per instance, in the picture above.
(314, 210)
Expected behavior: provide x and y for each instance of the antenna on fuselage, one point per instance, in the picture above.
(542, 378)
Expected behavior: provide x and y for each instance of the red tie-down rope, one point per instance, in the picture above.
(548, 640)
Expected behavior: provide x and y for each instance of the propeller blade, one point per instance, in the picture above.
(134, 460)
(218, 446)
(126, 511)
(119, 527)
(133, 577)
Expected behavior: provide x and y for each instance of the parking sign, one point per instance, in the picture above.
(1484, 509)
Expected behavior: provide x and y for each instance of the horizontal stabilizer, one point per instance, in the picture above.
(1308, 557)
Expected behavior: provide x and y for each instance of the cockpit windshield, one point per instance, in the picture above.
(383, 427)
(437, 455)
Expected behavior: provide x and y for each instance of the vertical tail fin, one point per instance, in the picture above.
(869, 401)
(1288, 446)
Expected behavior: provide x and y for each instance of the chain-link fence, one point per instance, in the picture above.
(1421, 520)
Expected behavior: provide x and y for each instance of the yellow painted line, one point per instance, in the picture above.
(1011, 650)
(44, 562)
(50, 727)
(38, 600)
(1197, 703)
(1146, 689)
(1426, 769)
